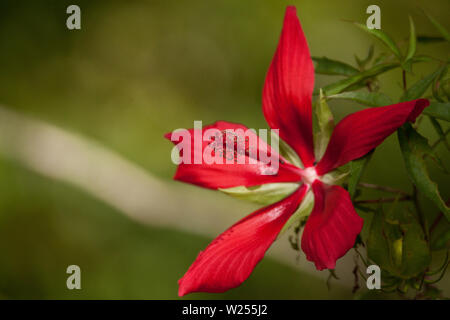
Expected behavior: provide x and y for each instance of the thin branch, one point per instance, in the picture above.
(366, 263)
(363, 208)
(383, 200)
(404, 80)
(355, 276)
(436, 222)
(440, 277)
(434, 145)
(382, 188)
(432, 273)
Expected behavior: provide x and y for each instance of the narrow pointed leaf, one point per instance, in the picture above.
(422, 58)
(380, 58)
(439, 110)
(438, 128)
(383, 37)
(412, 40)
(421, 86)
(363, 63)
(373, 99)
(344, 84)
(333, 67)
(414, 147)
(439, 27)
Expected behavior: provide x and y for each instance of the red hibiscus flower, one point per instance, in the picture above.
(333, 224)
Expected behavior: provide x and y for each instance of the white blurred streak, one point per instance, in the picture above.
(104, 174)
(58, 154)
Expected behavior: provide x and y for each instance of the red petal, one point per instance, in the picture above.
(331, 228)
(232, 256)
(288, 89)
(364, 130)
(225, 175)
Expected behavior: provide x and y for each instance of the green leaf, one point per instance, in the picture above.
(422, 58)
(438, 128)
(333, 67)
(439, 27)
(444, 87)
(344, 84)
(325, 124)
(435, 89)
(414, 147)
(356, 170)
(264, 194)
(382, 56)
(438, 110)
(378, 248)
(407, 65)
(427, 150)
(438, 87)
(408, 62)
(363, 63)
(397, 243)
(373, 99)
(416, 256)
(412, 40)
(302, 212)
(440, 237)
(419, 88)
(384, 38)
(358, 86)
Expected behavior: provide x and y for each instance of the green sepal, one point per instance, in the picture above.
(264, 194)
(303, 211)
(325, 126)
(357, 168)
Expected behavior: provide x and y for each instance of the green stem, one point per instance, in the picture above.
(404, 80)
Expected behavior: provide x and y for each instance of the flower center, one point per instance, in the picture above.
(309, 175)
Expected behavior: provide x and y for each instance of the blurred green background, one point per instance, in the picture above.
(139, 69)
